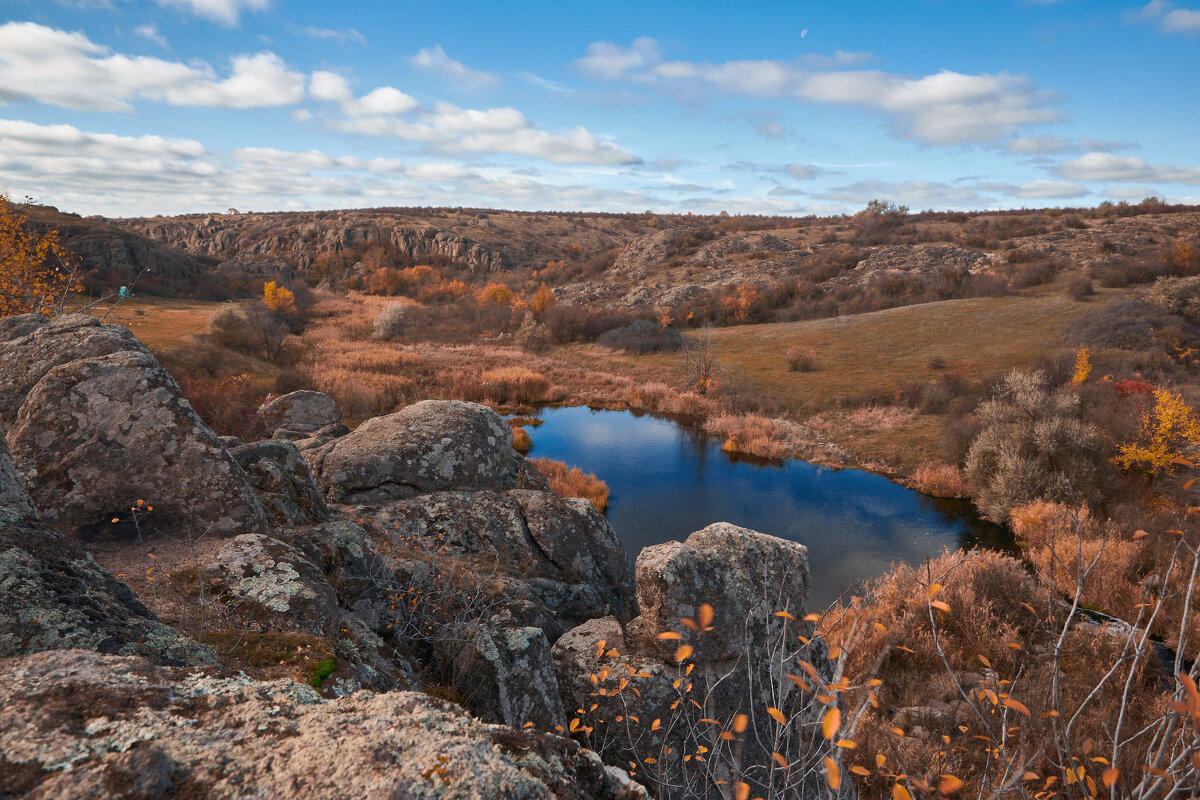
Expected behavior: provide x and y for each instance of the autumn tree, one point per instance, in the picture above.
(1170, 433)
(37, 272)
(542, 299)
(279, 299)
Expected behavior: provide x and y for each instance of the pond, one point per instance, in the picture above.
(667, 480)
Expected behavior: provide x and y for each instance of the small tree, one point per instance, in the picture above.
(37, 272)
(700, 362)
(279, 299)
(542, 300)
(1170, 432)
(1083, 367)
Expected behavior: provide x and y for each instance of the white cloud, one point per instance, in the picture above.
(255, 81)
(345, 35)
(74, 72)
(446, 128)
(1038, 190)
(434, 60)
(149, 31)
(1126, 169)
(608, 61)
(1046, 145)
(915, 194)
(103, 173)
(222, 12)
(1169, 18)
(945, 108)
(803, 172)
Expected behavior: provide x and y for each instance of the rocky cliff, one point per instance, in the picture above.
(402, 610)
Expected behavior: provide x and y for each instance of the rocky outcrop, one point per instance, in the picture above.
(76, 724)
(426, 447)
(56, 596)
(95, 424)
(722, 625)
(300, 415)
(282, 479)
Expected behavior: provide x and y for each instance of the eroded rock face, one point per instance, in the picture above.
(301, 414)
(736, 663)
(429, 446)
(281, 477)
(75, 724)
(508, 677)
(96, 434)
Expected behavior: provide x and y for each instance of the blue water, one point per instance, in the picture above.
(667, 480)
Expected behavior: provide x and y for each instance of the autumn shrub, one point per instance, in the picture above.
(1033, 445)
(532, 336)
(37, 271)
(642, 336)
(1080, 287)
(756, 435)
(228, 404)
(800, 359)
(390, 322)
(513, 385)
(572, 482)
(521, 440)
(228, 327)
(940, 480)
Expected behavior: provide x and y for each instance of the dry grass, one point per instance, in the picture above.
(775, 439)
(939, 480)
(522, 442)
(573, 482)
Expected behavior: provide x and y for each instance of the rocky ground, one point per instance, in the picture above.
(402, 610)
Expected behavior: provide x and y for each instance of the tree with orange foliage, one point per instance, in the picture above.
(1170, 433)
(279, 299)
(496, 294)
(37, 272)
(542, 299)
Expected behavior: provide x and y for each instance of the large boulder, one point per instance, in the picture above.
(75, 724)
(95, 435)
(299, 415)
(281, 477)
(429, 446)
(722, 635)
(55, 595)
(95, 424)
(505, 674)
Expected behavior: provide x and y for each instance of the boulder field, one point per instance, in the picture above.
(402, 610)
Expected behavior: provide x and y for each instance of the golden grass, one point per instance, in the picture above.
(572, 482)
(161, 323)
(522, 442)
(940, 480)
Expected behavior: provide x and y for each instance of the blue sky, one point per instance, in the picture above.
(137, 107)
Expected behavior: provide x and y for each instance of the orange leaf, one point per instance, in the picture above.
(777, 715)
(983, 660)
(948, 784)
(704, 615)
(933, 590)
(785, 615)
(1140, 534)
(900, 793)
(683, 652)
(1016, 705)
(812, 617)
(780, 760)
(740, 722)
(1109, 776)
(742, 791)
(940, 606)
(857, 770)
(831, 723)
(832, 775)
(669, 635)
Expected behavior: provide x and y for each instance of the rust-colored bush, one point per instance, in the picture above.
(940, 480)
(572, 482)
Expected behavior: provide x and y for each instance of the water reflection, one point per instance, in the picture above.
(667, 481)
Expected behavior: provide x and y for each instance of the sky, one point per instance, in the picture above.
(144, 107)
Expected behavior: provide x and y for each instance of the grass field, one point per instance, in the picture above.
(162, 323)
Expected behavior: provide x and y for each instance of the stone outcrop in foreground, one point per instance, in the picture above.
(75, 724)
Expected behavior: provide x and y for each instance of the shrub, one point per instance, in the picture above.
(642, 336)
(573, 482)
(229, 405)
(1033, 445)
(800, 359)
(228, 327)
(390, 322)
(1080, 287)
(521, 440)
(513, 385)
(532, 335)
(940, 480)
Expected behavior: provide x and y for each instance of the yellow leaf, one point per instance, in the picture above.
(900, 793)
(880, 758)
(777, 715)
(832, 775)
(933, 590)
(848, 744)
(949, 784)
(857, 770)
(831, 723)
(940, 606)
